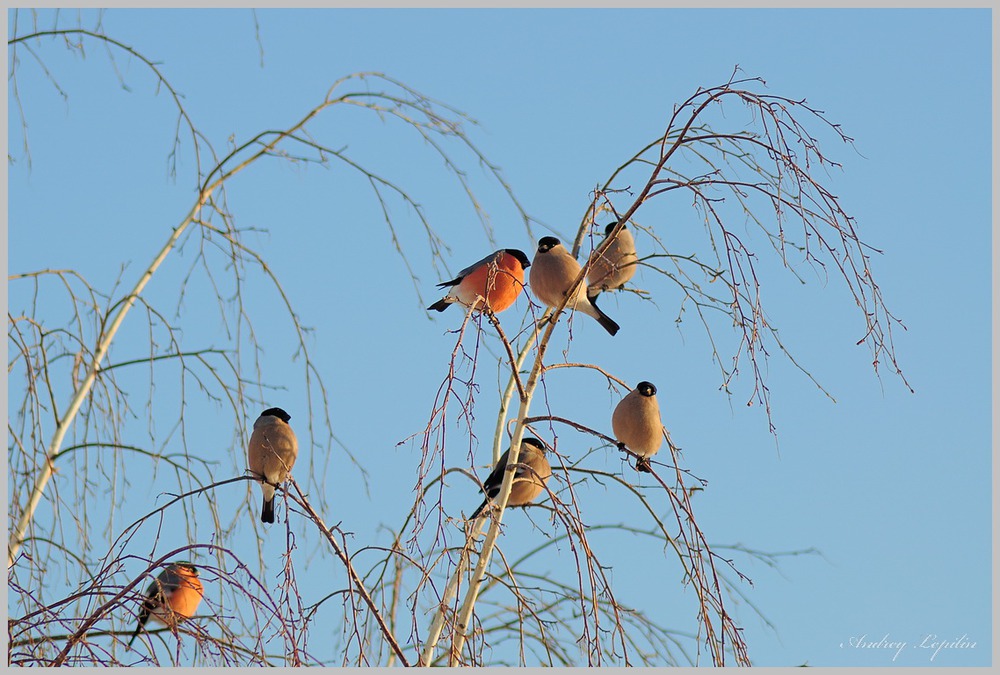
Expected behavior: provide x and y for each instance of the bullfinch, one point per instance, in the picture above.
(552, 273)
(499, 278)
(636, 423)
(529, 479)
(615, 266)
(172, 597)
(271, 454)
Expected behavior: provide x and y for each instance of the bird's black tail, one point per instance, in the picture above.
(475, 514)
(440, 305)
(267, 512)
(143, 618)
(606, 321)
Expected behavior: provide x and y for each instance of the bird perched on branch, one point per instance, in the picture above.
(271, 454)
(530, 476)
(498, 278)
(172, 597)
(616, 265)
(553, 271)
(636, 423)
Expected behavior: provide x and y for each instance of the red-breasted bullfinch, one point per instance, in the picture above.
(271, 454)
(636, 423)
(553, 271)
(530, 475)
(499, 278)
(172, 597)
(616, 265)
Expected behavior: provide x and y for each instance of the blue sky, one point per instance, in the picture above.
(892, 487)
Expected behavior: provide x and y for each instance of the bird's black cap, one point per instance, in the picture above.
(276, 412)
(531, 440)
(519, 254)
(646, 388)
(546, 243)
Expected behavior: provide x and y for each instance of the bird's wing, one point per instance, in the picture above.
(468, 270)
(491, 486)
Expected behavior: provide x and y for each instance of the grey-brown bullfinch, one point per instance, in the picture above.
(271, 454)
(499, 278)
(552, 273)
(530, 476)
(636, 423)
(615, 266)
(172, 597)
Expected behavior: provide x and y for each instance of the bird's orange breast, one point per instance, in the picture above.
(500, 281)
(183, 600)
